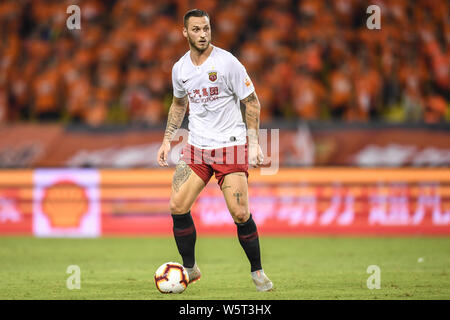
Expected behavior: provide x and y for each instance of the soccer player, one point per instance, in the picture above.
(213, 83)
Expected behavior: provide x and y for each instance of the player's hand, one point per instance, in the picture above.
(163, 153)
(255, 155)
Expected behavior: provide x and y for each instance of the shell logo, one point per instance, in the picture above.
(64, 203)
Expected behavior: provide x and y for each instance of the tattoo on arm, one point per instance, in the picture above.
(175, 117)
(251, 98)
(252, 111)
(182, 173)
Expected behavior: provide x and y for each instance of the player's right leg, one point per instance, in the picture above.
(186, 186)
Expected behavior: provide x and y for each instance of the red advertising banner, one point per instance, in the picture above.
(316, 201)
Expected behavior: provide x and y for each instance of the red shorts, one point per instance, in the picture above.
(219, 162)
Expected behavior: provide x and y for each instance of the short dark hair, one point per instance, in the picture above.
(194, 13)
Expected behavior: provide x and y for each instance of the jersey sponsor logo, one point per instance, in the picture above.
(212, 76)
(203, 100)
(203, 95)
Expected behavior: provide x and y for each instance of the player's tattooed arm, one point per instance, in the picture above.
(182, 173)
(252, 111)
(175, 117)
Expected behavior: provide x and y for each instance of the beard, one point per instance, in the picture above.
(194, 45)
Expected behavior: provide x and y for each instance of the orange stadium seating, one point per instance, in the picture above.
(309, 60)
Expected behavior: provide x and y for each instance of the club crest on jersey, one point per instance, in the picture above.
(212, 76)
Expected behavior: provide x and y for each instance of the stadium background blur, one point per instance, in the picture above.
(309, 60)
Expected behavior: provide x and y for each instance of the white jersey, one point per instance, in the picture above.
(214, 90)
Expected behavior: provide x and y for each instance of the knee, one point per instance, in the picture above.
(177, 207)
(240, 214)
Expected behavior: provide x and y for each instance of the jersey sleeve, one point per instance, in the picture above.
(178, 90)
(239, 79)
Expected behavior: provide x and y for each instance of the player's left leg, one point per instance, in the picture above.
(235, 190)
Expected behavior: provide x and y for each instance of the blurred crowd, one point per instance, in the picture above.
(308, 59)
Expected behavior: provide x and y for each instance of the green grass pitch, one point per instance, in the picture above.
(300, 268)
